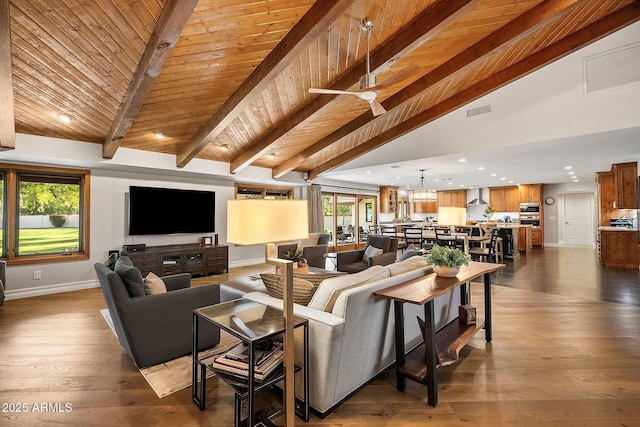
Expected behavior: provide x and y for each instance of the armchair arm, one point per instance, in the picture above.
(177, 281)
(159, 327)
(286, 247)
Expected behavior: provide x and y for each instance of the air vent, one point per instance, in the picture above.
(483, 109)
(612, 69)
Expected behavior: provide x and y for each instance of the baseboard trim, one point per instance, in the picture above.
(50, 289)
(246, 262)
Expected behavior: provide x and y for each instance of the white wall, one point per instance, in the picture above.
(110, 180)
(552, 217)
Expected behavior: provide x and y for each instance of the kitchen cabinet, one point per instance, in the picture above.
(424, 207)
(452, 198)
(625, 175)
(606, 197)
(619, 248)
(504, 199)
(530, 193)
(536, 237)
(388, 199)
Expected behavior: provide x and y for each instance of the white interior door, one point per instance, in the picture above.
(578, 220)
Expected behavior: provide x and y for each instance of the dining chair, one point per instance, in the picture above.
(391, 231)
(485, 231)
(444, 238)
(413, 237)
(487, 253)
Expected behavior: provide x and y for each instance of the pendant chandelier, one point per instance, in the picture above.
(423, 193)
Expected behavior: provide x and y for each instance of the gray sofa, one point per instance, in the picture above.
(153, 329)
(314, 254)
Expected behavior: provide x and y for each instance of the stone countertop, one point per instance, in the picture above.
(428, 224)
(606, 228)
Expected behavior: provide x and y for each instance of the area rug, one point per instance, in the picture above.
(175, 375)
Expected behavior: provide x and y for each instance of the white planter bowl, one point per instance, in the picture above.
(446, 271)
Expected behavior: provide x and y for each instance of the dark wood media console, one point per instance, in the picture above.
(195, 259)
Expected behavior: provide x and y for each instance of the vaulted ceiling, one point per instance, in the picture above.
(228, 80)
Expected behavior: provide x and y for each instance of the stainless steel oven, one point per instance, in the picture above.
(533, 220)
(529, 208)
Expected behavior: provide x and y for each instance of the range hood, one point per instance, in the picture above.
(478, 200)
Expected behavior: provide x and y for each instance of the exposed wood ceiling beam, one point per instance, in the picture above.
(581, 38)
(173, 18)
(311, 25)
(412, 35)
(7, 113)
(508, 33)
(513, 30)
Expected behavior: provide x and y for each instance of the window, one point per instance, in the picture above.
(247, 191)
(350, 219)
(47, 214)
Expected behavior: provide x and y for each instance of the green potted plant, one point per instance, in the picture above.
(298, 260)
(488, 212)
(446, 261)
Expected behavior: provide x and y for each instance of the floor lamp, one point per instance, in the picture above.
(267, 221)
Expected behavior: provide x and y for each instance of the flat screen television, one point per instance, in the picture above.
(170, 211)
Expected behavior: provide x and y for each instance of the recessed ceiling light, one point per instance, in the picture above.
(159, 135)
(576, 180)
(503, 178)
(572, 173)
(461, 185)
(397, 177)
(225, 147)
(436, 180)
(493, 174)
(568, 167)
(273, 154)
(462, 160)
(450, 182)
(64, 118)
(481, 168)
(510, 182)
(368, 172)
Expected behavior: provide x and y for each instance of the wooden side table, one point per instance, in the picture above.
(442, 347)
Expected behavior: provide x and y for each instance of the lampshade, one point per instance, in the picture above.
(452, 216)
(256, 221)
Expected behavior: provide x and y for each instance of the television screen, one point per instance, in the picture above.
(170, 211)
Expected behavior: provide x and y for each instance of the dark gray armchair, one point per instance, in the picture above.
(353, 261)
(3, 270)
(315, 254)
(154, 329)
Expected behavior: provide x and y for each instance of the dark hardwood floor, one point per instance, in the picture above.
(566, 352)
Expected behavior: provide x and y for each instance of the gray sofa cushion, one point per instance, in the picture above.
(130, 276)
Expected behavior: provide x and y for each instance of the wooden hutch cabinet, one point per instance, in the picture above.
(388, 199)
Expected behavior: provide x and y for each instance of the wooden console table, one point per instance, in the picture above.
(442, 347)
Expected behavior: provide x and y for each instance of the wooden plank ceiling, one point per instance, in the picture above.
(228, 80)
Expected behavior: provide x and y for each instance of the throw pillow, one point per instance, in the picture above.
(303, 290)
(130, 276)
(154, 285)
(330, 289)
(312, 240)
(413, 263)
(318, 278)
(369, 252)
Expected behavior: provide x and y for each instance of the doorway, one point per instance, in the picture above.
(578, 225)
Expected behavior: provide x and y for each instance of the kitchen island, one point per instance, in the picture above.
(619, 247)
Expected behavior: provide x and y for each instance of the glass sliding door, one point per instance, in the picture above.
(346, 226)
(327, 217)
(366, 216)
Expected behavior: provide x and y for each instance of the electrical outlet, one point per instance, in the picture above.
(37, 275)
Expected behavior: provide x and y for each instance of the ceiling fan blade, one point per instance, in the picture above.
(331, 91)
(411, 70)
(376, 108)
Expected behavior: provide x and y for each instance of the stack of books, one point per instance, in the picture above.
(236, 361)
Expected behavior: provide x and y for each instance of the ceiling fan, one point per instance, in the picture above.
(368, 89)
